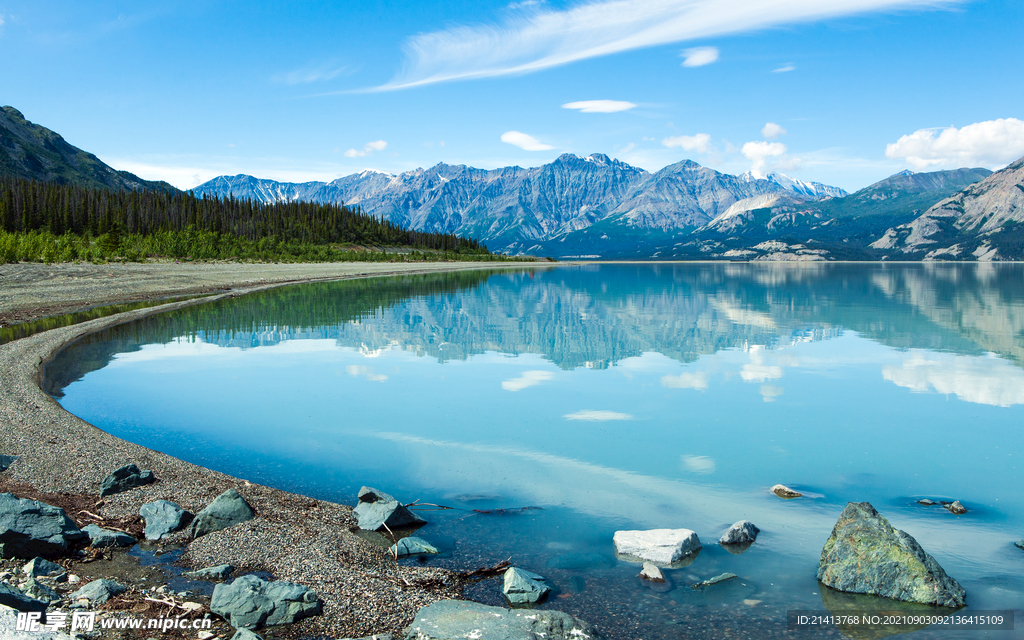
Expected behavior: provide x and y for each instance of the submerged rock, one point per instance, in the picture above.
(581, 561)
(98, 592)
(783, 491)
(100, 538)
(376, 509)
(163, 517)
(30, 528)
(662, 546)
(710, 581)
(652, 573)
(11, 597)
(253, 602)
(219, 572)
(125, 478)
(739, 533)
(460, 619)
(524, 587)
(227, 509)
(956, 507)
(866, 554)
(411, 546)
(37, 567)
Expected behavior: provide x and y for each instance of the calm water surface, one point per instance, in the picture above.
(613, 397)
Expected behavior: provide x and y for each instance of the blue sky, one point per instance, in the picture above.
(844, 92)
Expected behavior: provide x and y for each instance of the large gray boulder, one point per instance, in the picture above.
(98, 592)
(524, 587)
(866, 554)
(227, 509)
(11, 597)
(660, 546)
(742, 532)
(219, 572)
(99, 537)
(37, 567)
(411, 546)
(125, 478)
(30, 528)
(376, 509)
(163, 517)
(253, 602)
(460, 619)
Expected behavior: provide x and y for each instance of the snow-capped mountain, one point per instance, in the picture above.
(811, 190)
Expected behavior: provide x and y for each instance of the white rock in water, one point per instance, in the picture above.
(652, 572)
(663, 546)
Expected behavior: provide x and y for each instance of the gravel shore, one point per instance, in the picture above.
(294, 537)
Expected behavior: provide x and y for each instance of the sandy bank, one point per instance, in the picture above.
(293, 537)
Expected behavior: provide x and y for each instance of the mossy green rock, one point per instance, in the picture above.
(866, 554)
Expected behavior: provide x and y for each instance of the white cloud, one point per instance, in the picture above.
(541, 37)
(993, 143)
(310, 73)
(699, 56)
(698, 464)
(527, 379)
(772, 131)
(786, 68)
(524, 141)
(756, 372)
(699, 143)
(368, 149)
(769, 392)
(686, 381)
(597, 416)
(599, 106)
(759, 152)
(358, 370)
(983, 380)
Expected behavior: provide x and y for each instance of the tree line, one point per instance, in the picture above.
(28, 206)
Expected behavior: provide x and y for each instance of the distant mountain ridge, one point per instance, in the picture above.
(513, 209)
(33, 152)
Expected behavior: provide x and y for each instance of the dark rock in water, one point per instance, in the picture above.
(35, 589)
(220, 572)
(30, 528)
(376, 509)
(739, 533)
(524, 587)
(125, 478)
(460, 619)
(245, 634)
(956, 507)
(783, 491)
(253, 602)
(163, 517)
(580, 561)
(865, 554)
(710, 581)
(1020, 543)
(856, 606)
(98, 592)
(11, 597)
(6, 461)
(37, 567)
(411, 546)
(926, 502)
(100, 538)
(227, 509)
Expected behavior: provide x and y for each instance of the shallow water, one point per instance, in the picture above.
(612, 397)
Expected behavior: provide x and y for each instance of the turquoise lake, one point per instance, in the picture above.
(625, 396)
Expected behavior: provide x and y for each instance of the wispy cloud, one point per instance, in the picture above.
(992, 143)
(698, 464)
(368, 149)
(699, 56)
(771, 131)
(524, 141)
(311, 73)
(699, 143)
(597, 416)
(358, 370)
(532, 38)
(526, 380)
(599, 106)
(686, 380)
(786, 68)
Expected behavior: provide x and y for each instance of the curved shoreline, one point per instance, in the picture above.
(294, 537)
